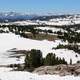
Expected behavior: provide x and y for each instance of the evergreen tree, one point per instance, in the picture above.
(33, 58)
(70, 61)
(50, 59)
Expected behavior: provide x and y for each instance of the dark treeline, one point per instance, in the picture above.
(71, 36)
(21, 30)
(35, 59)
(69, 46)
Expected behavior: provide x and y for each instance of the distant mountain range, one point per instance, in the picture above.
(13, 16)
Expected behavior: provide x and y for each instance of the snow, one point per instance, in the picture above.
(4, 69)
(4, 29)
(56, 22)
(59, 22)
(67, 55)
(50, 22)
(69, 20)
(27, 22)
(9, 41)
(78, 31)
(51, 28)
(18, 75)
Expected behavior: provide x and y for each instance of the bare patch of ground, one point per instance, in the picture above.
(61, 70)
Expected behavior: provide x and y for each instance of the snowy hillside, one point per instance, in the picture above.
(24, 19)
(6, 75)
(10, 41)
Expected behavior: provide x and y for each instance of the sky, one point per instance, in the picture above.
(40, 6)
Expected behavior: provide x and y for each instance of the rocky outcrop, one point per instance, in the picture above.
(61, 70)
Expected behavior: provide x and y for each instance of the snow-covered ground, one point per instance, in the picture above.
(51, 28)
(29, 76)
(9, 41)
(4, 29)
(27, 22)
(61, 21)
(71, 20)
(56, 23)
(78, 31)
(67, 55)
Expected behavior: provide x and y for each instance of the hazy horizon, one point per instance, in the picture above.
(40, 6)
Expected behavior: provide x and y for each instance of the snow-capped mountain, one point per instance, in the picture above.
(24, 19)
(13, 16)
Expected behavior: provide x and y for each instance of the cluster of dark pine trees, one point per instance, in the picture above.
(35, 59)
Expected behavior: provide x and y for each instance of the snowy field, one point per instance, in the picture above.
(53, 21)
(51, 28)
(9, 41)
(6, 74)
(29, 76)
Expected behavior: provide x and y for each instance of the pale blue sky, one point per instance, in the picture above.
(40, 6)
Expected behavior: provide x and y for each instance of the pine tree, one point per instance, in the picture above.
(70, 61)
(50, 59)
(33, 58)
